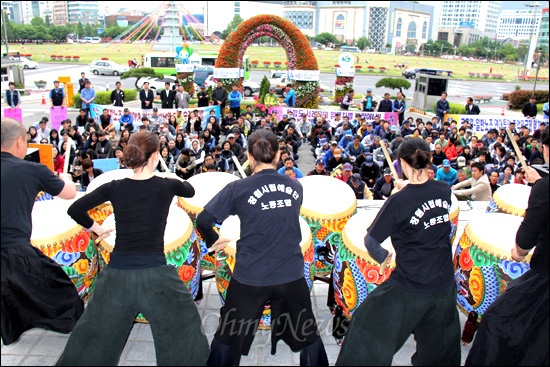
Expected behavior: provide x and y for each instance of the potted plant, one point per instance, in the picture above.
(76, 58)
(40, 84)
(254, 63)
(104, 58)
(371, 68)
(382, 69)
(358, 68)
(59, 57)
(277, 64)
(68, 58)
(267, 64)
(53, 57)
(471, 74)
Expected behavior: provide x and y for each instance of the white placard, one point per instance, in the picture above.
(346, 60)
(185, 68)
(345, 72)
(304, 75)
(227, 73)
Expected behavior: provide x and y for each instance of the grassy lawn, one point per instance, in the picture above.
(325, 59)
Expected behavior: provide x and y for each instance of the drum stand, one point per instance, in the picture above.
(339, 321)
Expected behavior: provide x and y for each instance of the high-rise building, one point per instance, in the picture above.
(13, 10)
(59, 13)
(480, 15)
(32, 9)
(519, 24)
(397, 23)
(542, 40)
(84, 12)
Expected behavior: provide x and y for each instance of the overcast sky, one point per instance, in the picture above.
(507, 5)
(191, 6)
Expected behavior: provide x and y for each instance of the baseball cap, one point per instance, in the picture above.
(406, 122)
(323, 141)
(369, 90)
(393, 128)
(236, 130)
(271, 88)
(202, 86)
(337, 114)
(387, 172)
(446, 163)
(334, 142)
(461, 162)
(469, 131)
(126, 109)
(155, 109)
(320, 161)
(398, 135)
(349, 133)
(368, 161)
(356, 178)
(347, 167)
(230, 136)
(369, 123)
(285, 116)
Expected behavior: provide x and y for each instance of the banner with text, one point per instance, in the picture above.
(369, 116)
(482, 124)
(57, 114)
(304, 75)
(14, 113)
(137, 113)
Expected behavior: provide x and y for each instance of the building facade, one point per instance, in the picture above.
(461, 36)
(59, 13)
(542, 40)
(480, 15)
(84, 12)
(13, 11)
(518, 23)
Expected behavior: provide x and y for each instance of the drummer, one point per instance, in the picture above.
(29, 298)
(137, 278)
(269, 262)
(514, 329)
(420, 294)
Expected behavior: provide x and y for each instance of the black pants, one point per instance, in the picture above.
(236, 111)
(292, 321)
(386, 319)
(99, 337)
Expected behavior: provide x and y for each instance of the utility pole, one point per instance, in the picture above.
(529, 52)
(537, 72)
(6, 31)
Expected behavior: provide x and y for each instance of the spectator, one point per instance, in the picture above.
(493, 181)
(538, 132)
(355, 149)
(360, 188)
(57, 96)
(235, 97)
(347, 100)
(236, 148)
(386, 104)
(117, 96)
(400, 106)
(480, 189)
(104, 148)
(105, 121)
(460, 176)
(271, 99)
(81, 120)
(346, 139)
(185, 165)
(319, 169)
(167, 96)
(378, 154)
(406, 129)
(182, 98)
(438, 155)
(119, 154)
(219, 97)
(369, 102)
(384, 186)
(89, 173)
(58, 160)
(219, 161)
(451, 151)
(336, 160)
(87, 96)
(446, 173)
(126, 121)
(322, 149)
(519, 178)
(529, 109)
(168, 160)
(431, 173)
(369, 171)
(146, 96)
(290, 99)
(82, 82)
(12, 96)
(506, 177)
(289, 163)
(471, 108)
(345, 174)
(442, 108)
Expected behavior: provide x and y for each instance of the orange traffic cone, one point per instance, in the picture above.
(43, 98)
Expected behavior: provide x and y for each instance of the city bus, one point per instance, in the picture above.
(349, 49)
(165, 63)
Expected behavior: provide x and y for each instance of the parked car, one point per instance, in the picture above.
(250, 87)
(107, 67)
(278, 80)
(411, 73)
(27, 64)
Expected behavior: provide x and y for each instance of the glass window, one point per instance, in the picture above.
(411, 31)
(424, 30)
(398, 28)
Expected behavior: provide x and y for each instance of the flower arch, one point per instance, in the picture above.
(298, 51)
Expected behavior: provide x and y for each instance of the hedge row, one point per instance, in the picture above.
(104, 98)
(518, 98)
(456, 108)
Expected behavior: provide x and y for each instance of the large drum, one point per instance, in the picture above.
(67, 243)
(180, 247)
(225, 260)
(102, 211)
(483, 263)
(207, 185)
(356, 273)
(327, 205)
(43, 196)
(510, 199)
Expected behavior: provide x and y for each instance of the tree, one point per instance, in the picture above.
(38, 22)
(80, 30)
(59, 33)
(89, 30)
(325, 38)
(141, 73)
(363, 43)
(393, 83)
(264, 89)
(232, 26)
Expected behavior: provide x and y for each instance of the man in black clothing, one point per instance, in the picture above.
(385, 104)
(82, 82)
(227, 121)
(369, 171)
(336, 160)
(203, 97)
(31, 279)
(471, 107)
(117, 96)
(146, 96)
(319, 169)
(281, 126)
(438, 156)
(57, 95)
(530, 108)
(219, 97)
(167, 96)
(383, 186)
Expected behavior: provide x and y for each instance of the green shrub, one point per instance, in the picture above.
(518, 98)
(264, 89)
(104, 98)
(456, 108)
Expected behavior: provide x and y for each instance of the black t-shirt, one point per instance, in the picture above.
(417, 219)
(141, 208)
(535, 228)
(268, 205)
(21, 182)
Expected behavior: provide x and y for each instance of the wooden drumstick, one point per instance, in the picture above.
(67, 156)
(164, 166)
(100, 238)
(239, 167)
(383, 266)
(516, 148)
(388, 159)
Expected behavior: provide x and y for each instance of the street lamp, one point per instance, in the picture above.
(6, 31)
(530, 52)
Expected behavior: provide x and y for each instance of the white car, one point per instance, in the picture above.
(27, 64)
(250, 87)
(107, 67)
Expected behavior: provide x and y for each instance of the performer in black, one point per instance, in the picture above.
(514, 329)
(269, 263)
(420, 295)
(36, 292)
(117, 95)
(137, 278)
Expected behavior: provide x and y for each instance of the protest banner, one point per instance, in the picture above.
(483, 123)
(57, 114)
(369, 116)
(46, 154)
(14, 113)
(116, 112)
